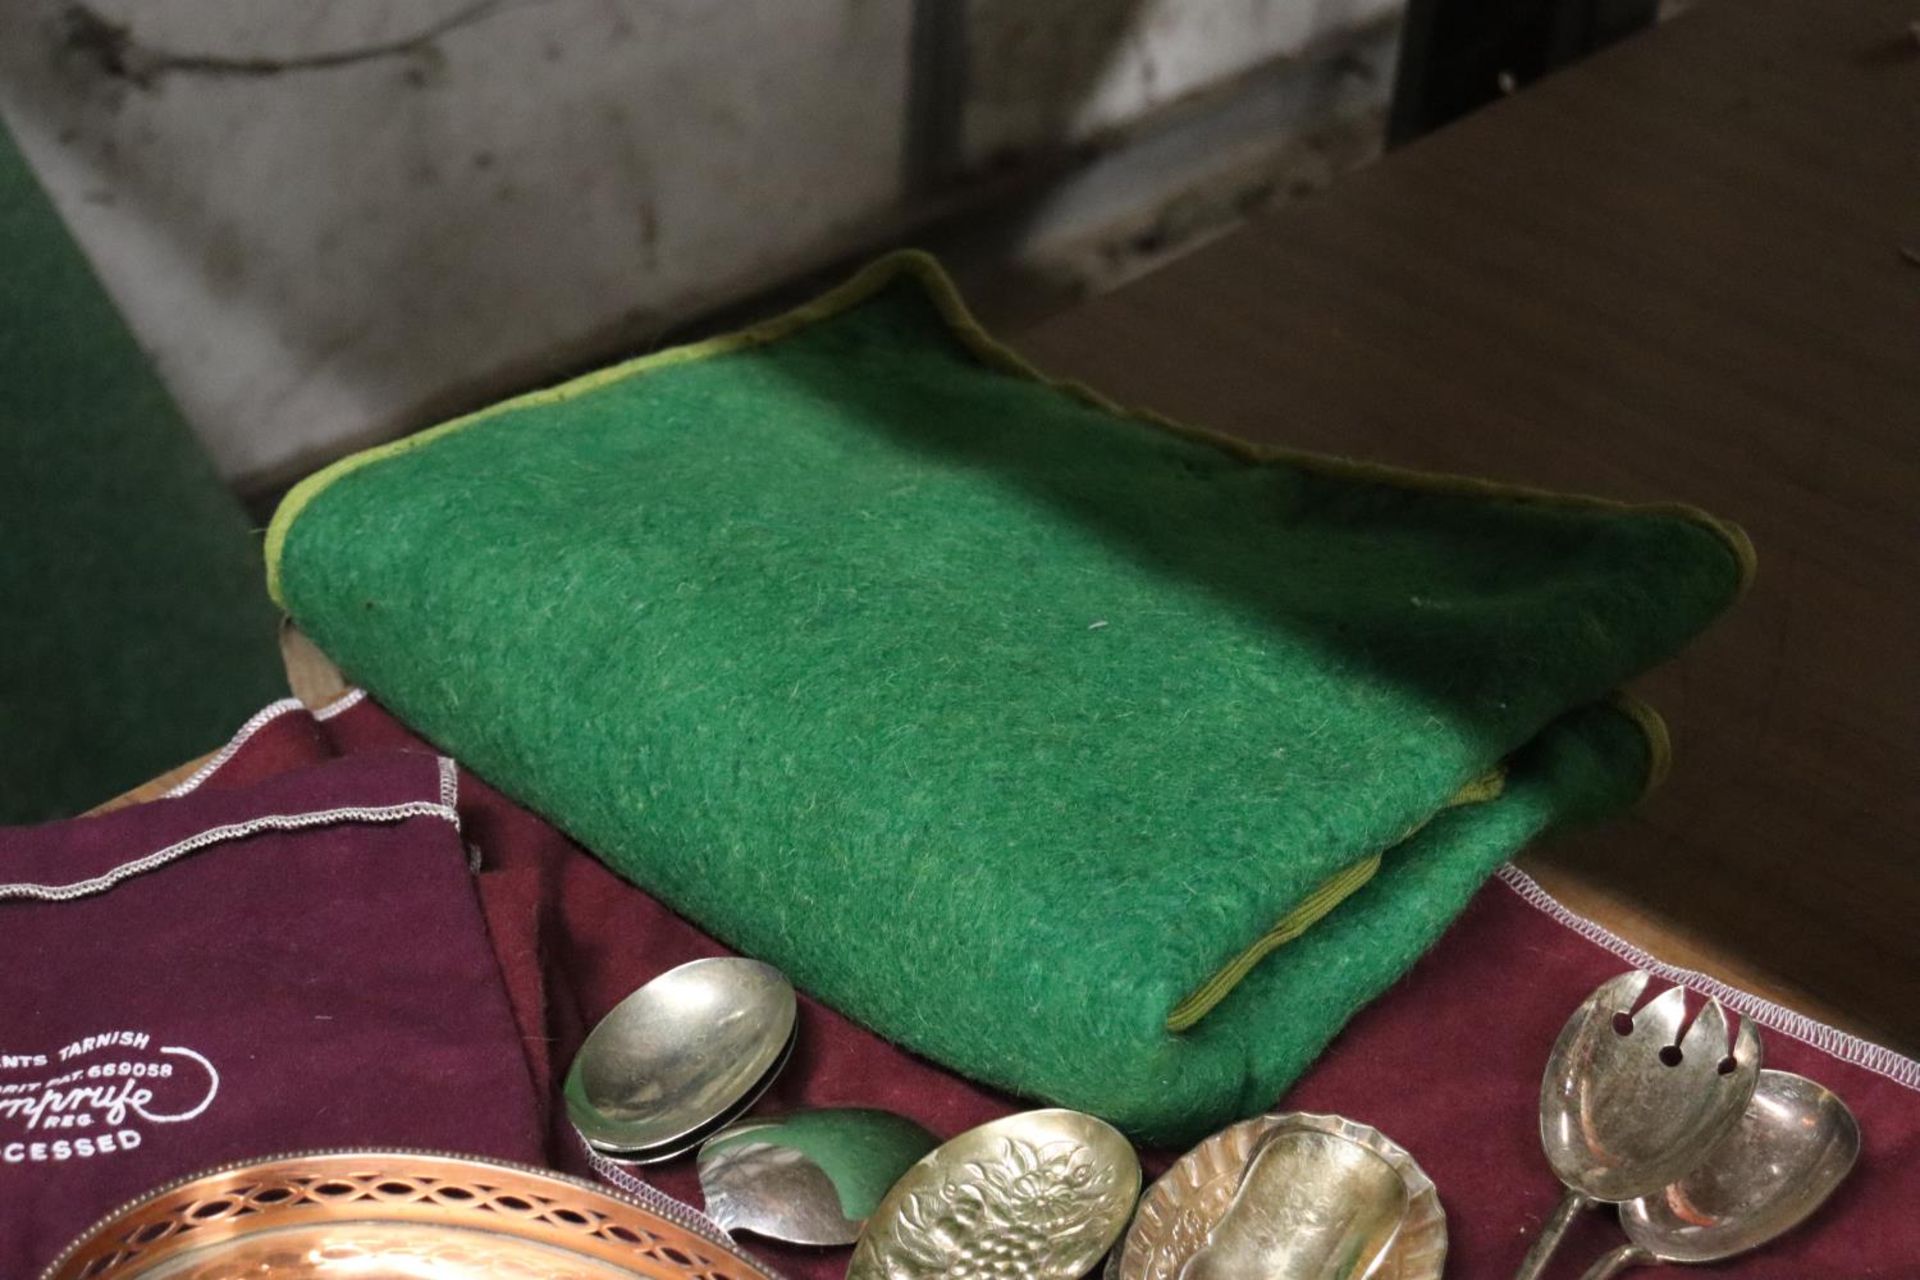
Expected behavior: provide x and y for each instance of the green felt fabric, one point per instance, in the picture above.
(998, 719)
(133, 631)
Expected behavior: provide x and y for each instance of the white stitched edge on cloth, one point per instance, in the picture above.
(1864, 1054)
(259, 719)
(345, 702)
(272, 711)
(221, 835)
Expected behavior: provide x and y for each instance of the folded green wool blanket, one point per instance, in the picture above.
(1099, 759)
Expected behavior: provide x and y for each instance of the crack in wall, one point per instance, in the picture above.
(113, 48)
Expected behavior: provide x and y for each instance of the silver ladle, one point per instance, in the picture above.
(1794, 1144)
(1627, 1106)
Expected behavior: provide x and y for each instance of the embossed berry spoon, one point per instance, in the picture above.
(1041, 1195)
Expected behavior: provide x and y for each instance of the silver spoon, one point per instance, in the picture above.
(1183, 1209)
(1312, 1206)
(1041, 1195)
(812, 1177)
(691, 1141)
(680, 1057)
(1627, 1106)
(1795, 1143)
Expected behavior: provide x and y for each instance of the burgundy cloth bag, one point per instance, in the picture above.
(299, 963)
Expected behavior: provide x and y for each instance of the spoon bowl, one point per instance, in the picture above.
(1629, 1105)
(811, 1177)
(680, 1056)
(1795, 1143)
(1041, 1195)
(1186, 1205)
(1312, 1206)
(693, 1139)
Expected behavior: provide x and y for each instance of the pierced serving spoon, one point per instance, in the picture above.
(1627, 1106)
(1794, 1144)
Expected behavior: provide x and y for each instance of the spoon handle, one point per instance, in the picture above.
(1625, 1258)
(1534, 1265)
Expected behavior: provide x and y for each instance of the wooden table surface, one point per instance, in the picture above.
(1672, 272)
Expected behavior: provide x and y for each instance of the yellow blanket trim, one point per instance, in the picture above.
(1654, 729)
(1311, 910)
(1487, 786)
(922, 267)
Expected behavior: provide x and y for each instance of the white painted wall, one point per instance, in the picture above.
(320, 258)
(312, 255)
(1043, 74)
